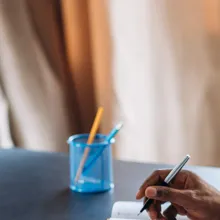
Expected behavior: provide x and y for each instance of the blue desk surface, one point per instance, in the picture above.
(34, 186)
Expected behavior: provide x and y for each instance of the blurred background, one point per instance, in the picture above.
(155, 65)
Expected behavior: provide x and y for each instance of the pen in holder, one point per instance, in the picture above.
(97, 175)
(108, 139)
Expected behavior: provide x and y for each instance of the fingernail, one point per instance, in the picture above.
(151, 192)
(138, 195)
(153, 215)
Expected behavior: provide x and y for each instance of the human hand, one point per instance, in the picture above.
(188, 194)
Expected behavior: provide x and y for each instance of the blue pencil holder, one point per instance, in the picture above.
(97, 175)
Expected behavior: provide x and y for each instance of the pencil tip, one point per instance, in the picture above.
(139, 213)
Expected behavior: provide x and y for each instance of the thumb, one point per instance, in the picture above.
(182, 198)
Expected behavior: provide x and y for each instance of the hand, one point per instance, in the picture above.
(188, 194)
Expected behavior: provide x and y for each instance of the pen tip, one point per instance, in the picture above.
(139, 213)
(119, 126)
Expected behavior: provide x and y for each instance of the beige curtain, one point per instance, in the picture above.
(153, 64)
(166, 66)
(88, 44)
(54, 67)
(35, 77)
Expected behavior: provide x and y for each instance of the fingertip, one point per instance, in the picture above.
(154, 211)
(139, 195)
(151, 192)
(153, 214)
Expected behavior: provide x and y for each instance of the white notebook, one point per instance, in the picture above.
(129, 211)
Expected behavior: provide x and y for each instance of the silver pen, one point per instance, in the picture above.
(167, 180)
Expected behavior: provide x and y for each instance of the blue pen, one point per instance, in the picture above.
(114, 131)
(111, 135)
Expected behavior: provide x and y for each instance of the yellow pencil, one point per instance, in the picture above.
(92, 135)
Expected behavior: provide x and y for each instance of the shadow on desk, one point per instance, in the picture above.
(76, 206)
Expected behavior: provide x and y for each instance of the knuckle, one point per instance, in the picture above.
(193, 195)
(188, 198)
(187, 172)
(156, 173)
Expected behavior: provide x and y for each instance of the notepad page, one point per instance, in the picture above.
(130, 210)
(123, 219)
